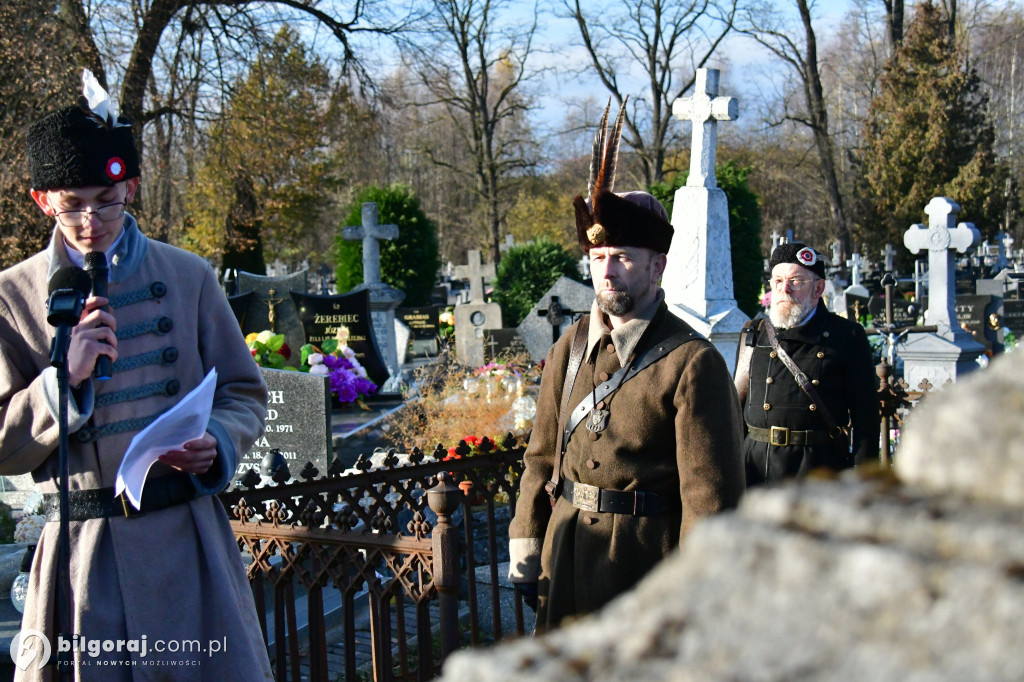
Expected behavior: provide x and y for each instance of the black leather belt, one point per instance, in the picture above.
(99, 503)
(594, 499)
(781, 436)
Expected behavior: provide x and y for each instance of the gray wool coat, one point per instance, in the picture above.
(169, 576)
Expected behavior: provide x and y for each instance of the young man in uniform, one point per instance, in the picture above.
(652, 421)
(170, 573)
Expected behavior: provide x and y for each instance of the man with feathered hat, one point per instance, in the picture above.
(638, 427)
(167, 571)
(805, 377)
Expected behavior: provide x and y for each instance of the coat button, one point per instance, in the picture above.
(812, 407)
(820, 354)
(594, 436)
(172, 387)
(158, 289)
(767, 406)
(610, 348)
(165, 324)
(170, 355)
(604, 376)
(815, 382)
(773, 354)
(591, 464)
(769, 380)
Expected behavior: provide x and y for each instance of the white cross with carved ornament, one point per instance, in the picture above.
(370, 232)
(889, 254)
(940, 238)
(475, 272)
(855, 264)
(704, 109)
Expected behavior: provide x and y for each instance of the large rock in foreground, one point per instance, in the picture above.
(831, 580)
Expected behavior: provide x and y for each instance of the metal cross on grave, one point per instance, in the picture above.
(370, 232)
(940, 238)
(889, 253)
(855, 263)
(476, 272)
(704, 109)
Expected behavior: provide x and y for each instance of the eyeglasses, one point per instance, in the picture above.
(795, 283)
(76, 218)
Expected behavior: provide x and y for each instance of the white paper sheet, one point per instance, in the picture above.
(184, 422)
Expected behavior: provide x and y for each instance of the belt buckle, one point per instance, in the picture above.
(585, 496)
(779, 436)
(130, 512)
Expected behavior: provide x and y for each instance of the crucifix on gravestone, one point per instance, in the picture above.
(370, 233)
(889, 254)
(940, 238)
(855, 264)
(476, 272)
(704, 109)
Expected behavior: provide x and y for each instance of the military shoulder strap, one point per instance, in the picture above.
(579, 347)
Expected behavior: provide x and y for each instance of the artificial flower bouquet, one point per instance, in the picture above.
(268, 349)
(335, 360)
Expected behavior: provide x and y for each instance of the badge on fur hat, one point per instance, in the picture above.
(115, 168)
(807, 256)
(596, 234)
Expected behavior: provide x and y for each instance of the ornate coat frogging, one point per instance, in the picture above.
(175, 574)
(673, 430)
(834, 352)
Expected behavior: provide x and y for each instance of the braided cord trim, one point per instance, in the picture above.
(150, 327)
(135, 393)
(130, 297)
(154, 357)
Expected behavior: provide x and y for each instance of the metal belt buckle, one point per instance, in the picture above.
(779, 436)
(585, 496)
(130, 512)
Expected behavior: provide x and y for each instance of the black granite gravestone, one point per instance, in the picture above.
(904, 314)
(322, 316)
(856, 307)
(976, 313)
(239, 305)
(298, 422)
(1013, 316)
(422, 322)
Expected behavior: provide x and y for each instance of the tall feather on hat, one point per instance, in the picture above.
(608, 219)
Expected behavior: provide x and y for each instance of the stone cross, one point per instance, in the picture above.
(370, 232)
(583, 265)
(476, 272)
(835, 253)
(776, 240)
(889, 253)
(940, 238)
(855, 263)
(704, 109)
(507, 244)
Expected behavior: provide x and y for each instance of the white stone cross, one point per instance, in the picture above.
(855, 263)
(370, 232)
(583, 264)
(889, 253)
(507, 244)
(476, 273)
(940, 238)
(776, 240)
(835, 253)
(704, 109)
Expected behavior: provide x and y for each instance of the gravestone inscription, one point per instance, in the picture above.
(421, 321)
(904, 313)
(298, 422)
(1013, 316)
(979, 314)
(322, 316)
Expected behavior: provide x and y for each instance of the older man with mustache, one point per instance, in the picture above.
(806, 379)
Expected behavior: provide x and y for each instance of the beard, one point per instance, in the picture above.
(615, 303)
(787, 312)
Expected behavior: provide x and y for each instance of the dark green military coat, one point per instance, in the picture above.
(834, 353)
(673, 430)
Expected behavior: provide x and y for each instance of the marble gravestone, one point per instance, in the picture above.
(322, 316)
(536, 329)
(698, 279)
(472, 319)
(940, 357)
(271, 307)
(298, 423)
(856, 295)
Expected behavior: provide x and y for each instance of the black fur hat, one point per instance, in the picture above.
(801, 254)
(605, 218)
(73, 147)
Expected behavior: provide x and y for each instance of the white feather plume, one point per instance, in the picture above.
(99, 101)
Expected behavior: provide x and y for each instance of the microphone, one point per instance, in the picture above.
(68, 288)
(96, 269)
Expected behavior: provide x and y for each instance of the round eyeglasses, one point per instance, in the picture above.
(76, 218)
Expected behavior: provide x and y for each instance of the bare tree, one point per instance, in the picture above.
(656, 36)
(474, 72)
(798, 48)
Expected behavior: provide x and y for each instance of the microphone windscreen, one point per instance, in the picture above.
(95, 260)
(71, 277)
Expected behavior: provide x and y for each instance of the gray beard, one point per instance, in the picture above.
(615, 303)
(792, 317)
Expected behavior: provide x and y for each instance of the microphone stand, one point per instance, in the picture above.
(65, 623)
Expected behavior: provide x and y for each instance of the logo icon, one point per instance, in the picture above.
(25, 649)
(807, 256)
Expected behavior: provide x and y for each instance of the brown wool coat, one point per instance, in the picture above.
(673, 430)
(175, 574)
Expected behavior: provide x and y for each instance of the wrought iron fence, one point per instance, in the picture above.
(370, 573)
